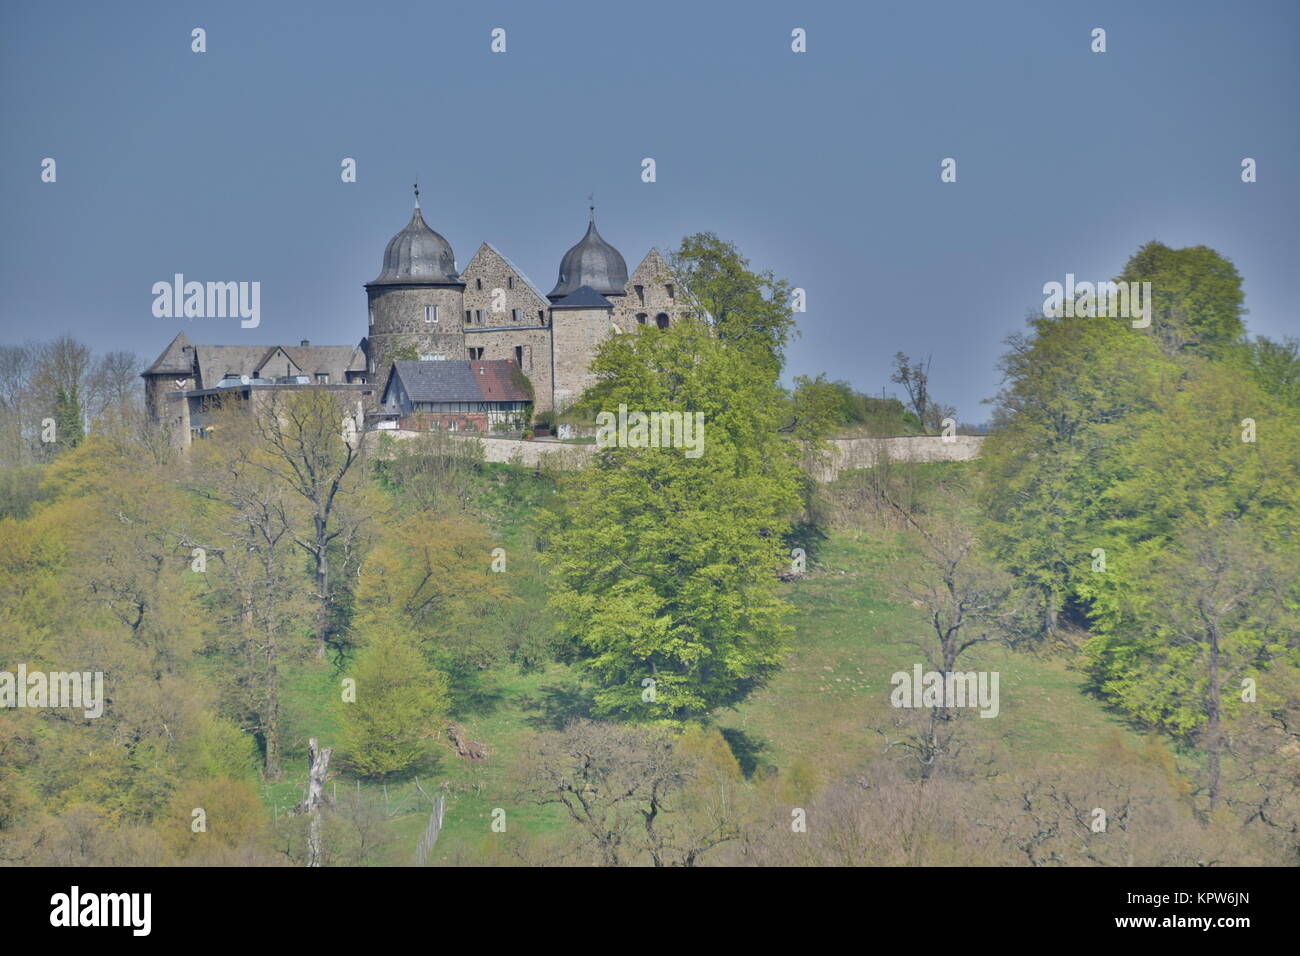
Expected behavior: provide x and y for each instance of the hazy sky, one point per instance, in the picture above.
(822, 166)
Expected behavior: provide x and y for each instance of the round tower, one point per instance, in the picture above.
(416, 302)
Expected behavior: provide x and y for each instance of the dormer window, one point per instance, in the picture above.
(322, 378)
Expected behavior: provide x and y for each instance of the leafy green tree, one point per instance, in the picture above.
(1275, 367)
(68, 419)
(665, 565)
(1071, 387)
(1197, 297)
(400, 702)
(752, 310)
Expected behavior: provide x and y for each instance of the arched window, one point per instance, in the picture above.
(661, 320)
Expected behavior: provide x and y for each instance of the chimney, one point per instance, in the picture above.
(305, 342)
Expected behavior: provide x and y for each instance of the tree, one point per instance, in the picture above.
(915, 379)
(313, 455)
(250, 538)
(68, 418)
(1275, 367)
(399, 703)
(665, 565)
(432, 575)
(1061, 419)
(968, 600)
(1196, 297)
(1212, 610)
(635, 792)
(752, 310)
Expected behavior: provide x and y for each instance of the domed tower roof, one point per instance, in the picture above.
(592, 262)
(417, 255)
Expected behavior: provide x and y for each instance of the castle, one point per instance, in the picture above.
(421, 306)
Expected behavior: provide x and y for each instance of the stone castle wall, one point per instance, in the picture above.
(854, 452)
(575, 333)
(398, 314)
(654, 278)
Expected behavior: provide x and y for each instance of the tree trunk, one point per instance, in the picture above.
(271, 720)
(1214, 702)
(320, 761)
(322, 588)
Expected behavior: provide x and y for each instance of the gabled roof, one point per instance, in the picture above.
(458, 381)
(216, 361)
(210, 363)
(176, 357)
(654, 260)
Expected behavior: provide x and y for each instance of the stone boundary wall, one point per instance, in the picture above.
(853, 452)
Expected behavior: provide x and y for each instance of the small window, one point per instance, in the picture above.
(541, 317)
(478, 283)
(661, 320)
(510, 282)
(671, 294)
(478, 316)
(476, 353)
(431, 313)
(516, 315)
(469, 317)
(641, 317)
(640, 294)
(519, 355)
(322, 378)
(372, 315)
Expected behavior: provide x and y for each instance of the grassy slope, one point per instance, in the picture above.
(812, 723)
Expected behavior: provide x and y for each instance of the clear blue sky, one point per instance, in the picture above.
(822, 166)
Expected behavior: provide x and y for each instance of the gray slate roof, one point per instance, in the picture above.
(210, 363)
(457, 381)
(584, 297)
(417, 255)
(593, 262)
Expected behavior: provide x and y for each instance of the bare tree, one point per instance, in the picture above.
(629, 789)
(313, 455)
(915, 379)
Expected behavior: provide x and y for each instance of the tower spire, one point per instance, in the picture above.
(417, 195)
(591, 207)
